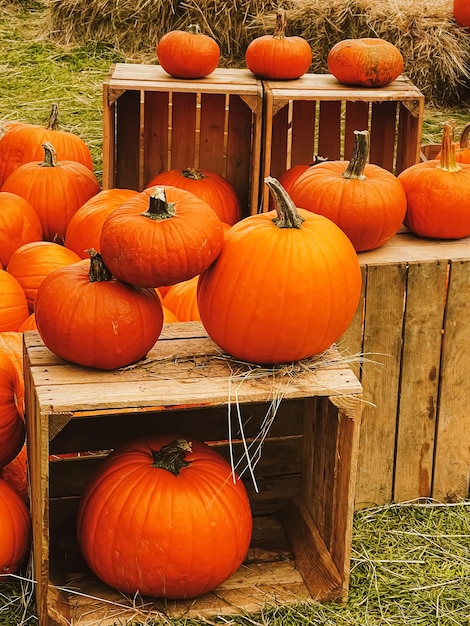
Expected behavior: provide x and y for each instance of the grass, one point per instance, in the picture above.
(411, 562)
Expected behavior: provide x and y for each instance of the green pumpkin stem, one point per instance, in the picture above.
(98, 271)
(447, 161)
(53, 121)
(192, 173)
(359, 156)
(281, 23)
(287, 214)
(171, 456)
(159, 207)
(50, 155)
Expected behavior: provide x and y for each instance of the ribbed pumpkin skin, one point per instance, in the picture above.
(369, 211)
(367, 62)
(277, 295)
(12, 428)
(209, 186)
(11, 343)
(19, 224)
(13, 304)
(15, 529)
(15, 473)
(153, 253)
(104, 325)
(32, 262)
(84, 229)
(142, 528)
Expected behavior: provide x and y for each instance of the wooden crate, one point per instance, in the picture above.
(413, 327)
(153, 122)
(302, 495)
(316, 115)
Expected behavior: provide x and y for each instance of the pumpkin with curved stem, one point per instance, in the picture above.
(164, 517)
(19, 224)
(31, 263)
(285, 286)
(15, 538)
(56, 190)
(13, 304)
(209, 186)
(12, 427)
(22, 143)
(102, 323)
(367, 62)
(277, 56)
(366, 201)
(188, 53)
(438, 194)
(162, 236)
(84, 229)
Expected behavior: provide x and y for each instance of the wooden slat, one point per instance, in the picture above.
(356, 118)
(183, 130)
(212, 153)
(155, 135)
(128, 141)
(303, 132)
(329, 130)
(382, 135)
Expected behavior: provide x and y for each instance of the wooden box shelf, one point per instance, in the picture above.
(301, 490)
(153, 122)
(317, 115)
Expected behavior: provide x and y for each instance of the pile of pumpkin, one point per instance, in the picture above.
(98, 273)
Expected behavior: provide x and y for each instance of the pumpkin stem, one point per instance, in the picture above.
(192, 173)
(194, 29)
(447, 160)
(359, 156)
(159, 207)
(281, 22)
(53, 121)
(50, 155)
(287, 214)
(98, 271)
(171, 456)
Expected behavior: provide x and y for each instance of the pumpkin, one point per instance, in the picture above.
(32, 262)
(13, 304)
(462, 146)
(285, 286)
(289, 176)
(22, 143)
(162, 236)
(181, 299)
(164, 517)
(366, 201)
(86, 316)
(438, 194)
(168, 316)
(55, 189)
(188, 53)
(11, 343)
(15, 535)
(28, 324)
(367, 62)
(461, 12)
(15, 473)
(209, 186)
(19, 224)
(12, 427)
(84, 229)
(277, 56)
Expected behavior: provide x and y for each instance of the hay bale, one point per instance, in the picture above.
(435, 49)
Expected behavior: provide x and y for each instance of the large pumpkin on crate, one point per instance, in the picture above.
(164, 517)
(15, 524)
(285, 286)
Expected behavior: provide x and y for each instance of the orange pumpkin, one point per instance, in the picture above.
(277, 56)
(12, 427)
(28, 324)
(19, 224)
(13, 304)
(188, 53)
(15, 473)
(15, 538)
(11, 343)
(367, 62)
(55, 189)
(31, 263)
(461, 12)
(181, 299)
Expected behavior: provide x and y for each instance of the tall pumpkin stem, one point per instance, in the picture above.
(192, 173)
(447, 160)
(50, 155)
(287, 214)
(159, 207)
(98, 271)
(359, 156)
(171, 456)
(53, 121)
(281, 23)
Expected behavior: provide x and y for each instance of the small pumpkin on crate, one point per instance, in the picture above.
(188, 53)
(278, 56)
(164, 517)
(285, 286)
(365, 200)
(365, 62)
(438, 193)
